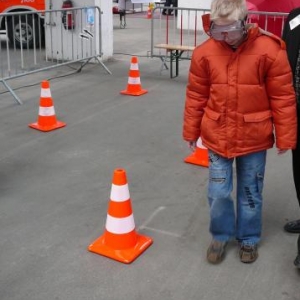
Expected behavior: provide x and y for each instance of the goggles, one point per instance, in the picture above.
(231, 32)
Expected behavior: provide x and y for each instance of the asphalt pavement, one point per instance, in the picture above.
(55, 189)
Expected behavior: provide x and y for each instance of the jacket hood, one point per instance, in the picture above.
(253, 31)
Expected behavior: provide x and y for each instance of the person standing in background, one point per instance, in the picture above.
(169, 3)
(291, 36)
(239, 97)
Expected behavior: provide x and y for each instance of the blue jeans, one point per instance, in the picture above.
(244, 225)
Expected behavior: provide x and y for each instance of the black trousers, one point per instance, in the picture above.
(168, 4)
(296, 162)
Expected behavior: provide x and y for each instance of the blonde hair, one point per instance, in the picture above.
(232, 10)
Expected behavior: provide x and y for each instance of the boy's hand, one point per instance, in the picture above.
(192, 145)
(281, 151)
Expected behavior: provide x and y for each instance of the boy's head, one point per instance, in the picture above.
(228, 10)
(228, 21)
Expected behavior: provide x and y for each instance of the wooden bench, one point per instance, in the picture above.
(175, 52)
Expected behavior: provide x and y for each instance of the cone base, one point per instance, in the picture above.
(138, 93)
(57, 125)
(124, 255)
(193, 159)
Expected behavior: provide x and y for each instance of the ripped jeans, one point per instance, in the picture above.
(244, 225)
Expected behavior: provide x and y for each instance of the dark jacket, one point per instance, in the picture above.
(292, 38)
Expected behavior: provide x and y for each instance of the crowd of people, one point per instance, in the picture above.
(242, 98)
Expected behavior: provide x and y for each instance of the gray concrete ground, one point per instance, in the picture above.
(55, 189)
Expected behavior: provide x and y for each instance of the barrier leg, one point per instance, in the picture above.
(12, 92)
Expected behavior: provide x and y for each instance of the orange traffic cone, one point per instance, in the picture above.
(46, 118)
(149, 12)
(200, 156)
(120, 240)
(134, 87)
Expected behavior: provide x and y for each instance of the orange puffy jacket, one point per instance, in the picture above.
(235, 99)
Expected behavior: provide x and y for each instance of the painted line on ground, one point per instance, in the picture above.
(152, 216)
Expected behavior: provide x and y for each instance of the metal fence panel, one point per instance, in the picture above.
(186, 29)
(42, 40)
(269, 21)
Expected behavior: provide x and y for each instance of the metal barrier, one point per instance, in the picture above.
(43, 40)
(122, 9)
(174, 38)
(269, 21)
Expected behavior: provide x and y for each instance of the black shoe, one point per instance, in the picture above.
(297, 261)
(292, 227)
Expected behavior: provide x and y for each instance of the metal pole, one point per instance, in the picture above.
(12, 92)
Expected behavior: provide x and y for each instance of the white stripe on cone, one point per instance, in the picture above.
(120, 225)
(46, 111)
(119, 193)
(133, 80)
(199, 144)
(134, 67)
(45, 93)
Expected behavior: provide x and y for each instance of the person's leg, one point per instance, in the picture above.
(167, 4)
(222, 216)
(296, 171)
(297, 260)
(170, 10)
(296, 161)
(175, 4)
(250, 179)
(170, 4)
(294, 226)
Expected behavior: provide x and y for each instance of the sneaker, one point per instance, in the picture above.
(292, 227)
(248, 253)
(216, 251)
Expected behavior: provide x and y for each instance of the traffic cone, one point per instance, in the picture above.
(134, 87)
(149, 12)
(199, 156)
(46, 118)
(120, 240)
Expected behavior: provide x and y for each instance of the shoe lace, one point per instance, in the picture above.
(247, 248)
